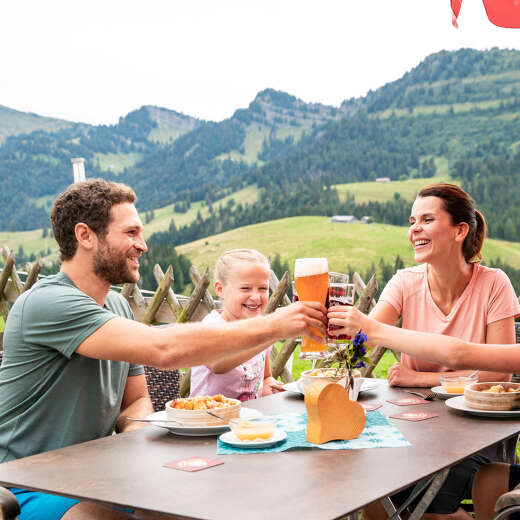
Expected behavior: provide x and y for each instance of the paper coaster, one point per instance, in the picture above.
(193, 463)
(407, 401)
(414, 416)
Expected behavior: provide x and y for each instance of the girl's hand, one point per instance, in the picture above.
(271, 386)
(350, 319)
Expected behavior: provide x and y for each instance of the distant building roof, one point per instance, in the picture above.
(383, 179)
(344, 219)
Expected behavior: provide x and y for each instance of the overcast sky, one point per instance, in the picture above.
(96, 60)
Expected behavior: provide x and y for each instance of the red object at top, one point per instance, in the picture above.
(502, 13)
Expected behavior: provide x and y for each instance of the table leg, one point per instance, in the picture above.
(432, 486)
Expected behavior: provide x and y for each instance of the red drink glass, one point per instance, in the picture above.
(340, 293)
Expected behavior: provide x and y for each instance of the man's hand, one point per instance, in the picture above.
(399, 375)
(301, 318)
(271, 386)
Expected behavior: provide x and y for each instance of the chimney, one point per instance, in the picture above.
(78, 167)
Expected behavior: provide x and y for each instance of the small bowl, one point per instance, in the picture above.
(253, 429)
(478, 396)
(195, 418)
(456, 384)
(322, 374)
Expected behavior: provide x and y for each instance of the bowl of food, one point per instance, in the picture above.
(259, 428)
(193, 411)
(333, 375)
(454, 384)
(493, 396)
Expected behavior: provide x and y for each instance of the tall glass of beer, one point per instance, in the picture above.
(311, 277)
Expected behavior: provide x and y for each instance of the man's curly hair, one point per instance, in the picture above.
(88, 202)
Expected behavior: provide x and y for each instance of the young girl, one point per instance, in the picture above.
(241, 281)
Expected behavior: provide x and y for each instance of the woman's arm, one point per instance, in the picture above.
(445, 350)
(499, 332)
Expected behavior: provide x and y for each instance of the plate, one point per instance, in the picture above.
(200, 431)
(440, 392)
(231, 439)
(366, 386)
(457, 403)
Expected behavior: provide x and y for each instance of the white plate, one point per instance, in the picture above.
(366, 386)
(230, 438)
(199, 431)
(440, 392)
(457, 403)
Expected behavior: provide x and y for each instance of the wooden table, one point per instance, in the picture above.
(127, 469)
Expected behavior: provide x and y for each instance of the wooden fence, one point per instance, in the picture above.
(165, 307)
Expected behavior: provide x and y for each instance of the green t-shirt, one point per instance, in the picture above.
(51, 397)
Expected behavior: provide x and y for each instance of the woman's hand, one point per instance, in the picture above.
(350, 320)
(399, 375)
(271, 386)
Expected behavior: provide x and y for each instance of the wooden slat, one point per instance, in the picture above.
(277, 297)
(207, 300)
(158, 297)
(273, 284)
(195, 298)
(32, 273)
(171, 299)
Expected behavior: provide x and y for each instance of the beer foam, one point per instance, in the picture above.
(310, 266)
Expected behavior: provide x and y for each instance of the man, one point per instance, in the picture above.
(72, 354)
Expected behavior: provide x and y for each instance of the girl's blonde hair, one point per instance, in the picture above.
(228, 259)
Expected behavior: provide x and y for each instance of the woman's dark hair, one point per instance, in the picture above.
(461, 207)
(89, 202)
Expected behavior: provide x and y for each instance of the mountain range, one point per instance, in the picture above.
(453, 106)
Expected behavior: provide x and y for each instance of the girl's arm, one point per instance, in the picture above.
(445, 350)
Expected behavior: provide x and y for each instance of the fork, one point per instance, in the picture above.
(430, 396)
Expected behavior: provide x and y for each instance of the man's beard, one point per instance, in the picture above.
(112, 266)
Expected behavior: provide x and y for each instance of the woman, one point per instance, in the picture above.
(491, 480)
(448, 293)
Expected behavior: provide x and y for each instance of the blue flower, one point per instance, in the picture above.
(359, 339)
(360, 365)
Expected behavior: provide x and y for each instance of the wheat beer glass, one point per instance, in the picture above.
(311, 277)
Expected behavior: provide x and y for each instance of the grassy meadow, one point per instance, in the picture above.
(384, 191)
(355, 245)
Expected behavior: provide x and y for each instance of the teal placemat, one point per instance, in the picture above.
(379, 432)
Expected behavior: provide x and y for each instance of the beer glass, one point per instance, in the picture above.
(311, 277)
(340, 293)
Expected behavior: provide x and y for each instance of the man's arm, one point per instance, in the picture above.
(194, 344)
(136, 403)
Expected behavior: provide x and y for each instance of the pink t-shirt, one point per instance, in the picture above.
(488, 297)
(243, 382)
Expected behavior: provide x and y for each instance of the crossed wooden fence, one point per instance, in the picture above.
(165, 307)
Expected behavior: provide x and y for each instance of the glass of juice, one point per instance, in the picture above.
(340, 293)
(311, 278)
(252, 429)
(456, 384)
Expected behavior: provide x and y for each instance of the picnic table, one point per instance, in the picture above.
(127, 469)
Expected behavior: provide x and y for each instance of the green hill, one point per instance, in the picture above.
(14, 122)
(355, 245)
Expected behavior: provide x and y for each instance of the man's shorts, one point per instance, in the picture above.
(456, 487)
(42, 506)
(39, 506)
